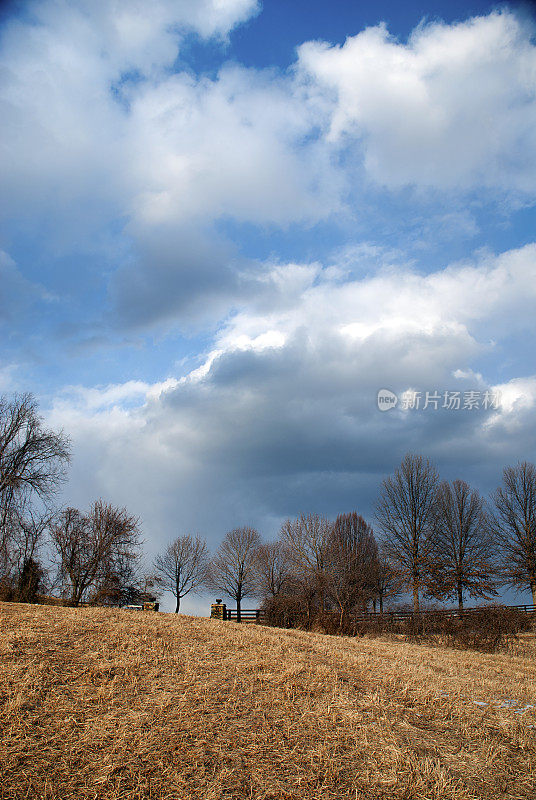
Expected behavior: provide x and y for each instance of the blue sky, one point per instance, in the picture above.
(226, 225)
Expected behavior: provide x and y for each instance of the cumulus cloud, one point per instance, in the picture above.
(108, 148)
(453, 108)
(65, 69)
(88, 120)
(282, 415)
(515, 414)
(231, 147)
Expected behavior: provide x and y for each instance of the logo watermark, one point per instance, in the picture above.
(449, 400)
(386, 399)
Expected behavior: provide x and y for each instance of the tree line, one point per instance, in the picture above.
(436, 539)
(432, 538)
(91, 556)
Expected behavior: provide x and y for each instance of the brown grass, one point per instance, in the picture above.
(109, 704)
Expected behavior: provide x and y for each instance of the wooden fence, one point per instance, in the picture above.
(447, 612)
(258, 615)
(246, 615)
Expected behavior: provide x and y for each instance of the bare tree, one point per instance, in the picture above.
(463, 556)
(273, 567)
(182, 567)
(233, 568)
(24, 544)
(386, 582)
(514, 525)
(405, 513)
(95, 550)
(32, 460)
(307, 539)
(352, 560)
(71, 542)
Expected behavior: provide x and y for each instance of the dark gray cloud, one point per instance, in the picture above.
(282, 415)
(177, 274)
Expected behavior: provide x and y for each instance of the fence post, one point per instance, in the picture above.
(218, 610)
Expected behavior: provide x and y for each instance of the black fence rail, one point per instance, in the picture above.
(258, 615)
(246, 615)
(220, 611)
(447, 612)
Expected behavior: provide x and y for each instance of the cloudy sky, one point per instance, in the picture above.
(226, 224)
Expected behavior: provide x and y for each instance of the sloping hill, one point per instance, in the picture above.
(116, 704)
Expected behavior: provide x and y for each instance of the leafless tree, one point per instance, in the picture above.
(233, 568)
(463, 555)
(386, 582)
(514, 525)
(24, 544)
(182, 567)
(32, 461)
(95, 550)
(405, 513)
(307, 539)
(352, 560)
(274, 569)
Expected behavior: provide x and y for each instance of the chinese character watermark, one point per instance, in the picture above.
(411, 400)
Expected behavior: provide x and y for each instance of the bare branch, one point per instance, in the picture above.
(97, 551)
(463, 558)
(183, 567)
(233, 568)
(514, 525)
(405, 514)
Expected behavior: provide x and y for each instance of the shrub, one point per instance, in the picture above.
(488, 629)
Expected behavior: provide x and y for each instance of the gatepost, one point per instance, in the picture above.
(218, 610)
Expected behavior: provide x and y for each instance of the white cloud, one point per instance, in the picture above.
(515, 414)
(398, 301)
(453, 108)
(123, 35)
(106, 149)
(517, 393)
(92, 121)
(95, 129)
(230, 147)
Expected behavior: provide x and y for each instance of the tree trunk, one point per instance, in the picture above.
(238, 608)
(75, 597)
(415, 597)
(177, 592)
(381, 603)
(533, 589)
(460, 597)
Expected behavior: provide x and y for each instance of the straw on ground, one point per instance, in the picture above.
(113, 704)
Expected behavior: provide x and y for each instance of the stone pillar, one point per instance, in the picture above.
(218, 610)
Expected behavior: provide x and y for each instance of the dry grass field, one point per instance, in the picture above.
(117, 704)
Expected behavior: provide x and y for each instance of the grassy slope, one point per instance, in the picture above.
(112, 704)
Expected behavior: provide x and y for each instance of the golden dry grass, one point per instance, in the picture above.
(116, 704)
